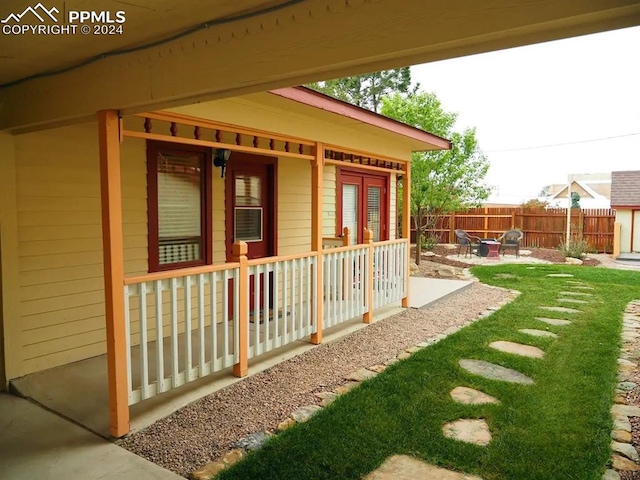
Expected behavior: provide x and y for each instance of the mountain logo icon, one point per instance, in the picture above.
(39, 11)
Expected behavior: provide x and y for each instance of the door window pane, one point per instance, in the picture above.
(350, 210)
(248, 225)
(179, 207)
(373, 211)
(248, 190)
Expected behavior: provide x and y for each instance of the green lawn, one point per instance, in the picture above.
(558, 428)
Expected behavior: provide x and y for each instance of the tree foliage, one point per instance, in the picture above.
(367, 91)
(445, 180)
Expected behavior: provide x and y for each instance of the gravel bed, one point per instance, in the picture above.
(203, 431)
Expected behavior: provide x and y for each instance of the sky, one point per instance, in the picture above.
(580, 91)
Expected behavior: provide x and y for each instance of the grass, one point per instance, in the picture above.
(558, 428)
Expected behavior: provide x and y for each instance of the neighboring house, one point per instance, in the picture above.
(594, 191)
(625, 198)
(224, 266)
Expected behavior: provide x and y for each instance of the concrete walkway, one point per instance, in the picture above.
(36, 443)
(424, 291)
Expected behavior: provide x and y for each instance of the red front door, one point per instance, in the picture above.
(363, 203)
(250, 207)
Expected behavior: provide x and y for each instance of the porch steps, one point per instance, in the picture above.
(629, 259)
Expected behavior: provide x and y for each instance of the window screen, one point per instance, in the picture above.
(373, 212)
(350, 210)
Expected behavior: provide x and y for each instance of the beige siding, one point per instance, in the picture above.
(393, 207)
(329, 217)
(294, 206)
(624, 217)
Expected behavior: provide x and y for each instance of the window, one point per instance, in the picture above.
(363, 203)
(179, 205)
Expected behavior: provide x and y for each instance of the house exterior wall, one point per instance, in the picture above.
(624, 217)
(58, 289)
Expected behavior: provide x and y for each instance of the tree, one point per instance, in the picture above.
(441, 181)
(367, 90)
(575, 200)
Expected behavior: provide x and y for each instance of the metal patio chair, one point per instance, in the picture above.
(469, 243)
(510, 240)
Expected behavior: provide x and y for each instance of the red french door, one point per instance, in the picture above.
(363, 203)
(250, 210)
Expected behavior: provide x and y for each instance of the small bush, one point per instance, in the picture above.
(429, 242)
(575, 248)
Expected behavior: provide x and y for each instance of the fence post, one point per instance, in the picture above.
(513, 220)
(346, 237)
(486, 222)
(368, 240)
(239, 254)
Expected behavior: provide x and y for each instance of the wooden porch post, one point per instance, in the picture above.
(112, 248)
(346, 237)
(406, 206)
(368, 240)
(239, 253)
(317, 169)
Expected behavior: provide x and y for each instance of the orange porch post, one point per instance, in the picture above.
(239, 254)
(112, 248)
(406, 212)
(317, 169)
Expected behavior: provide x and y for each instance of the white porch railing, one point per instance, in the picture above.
(389, 272)
(180, 328)
(346, 272)
(185, 324)
(282, 300)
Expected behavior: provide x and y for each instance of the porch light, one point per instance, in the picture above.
(221, 158)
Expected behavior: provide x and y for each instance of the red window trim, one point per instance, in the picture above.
(153, 148)
(340, 173)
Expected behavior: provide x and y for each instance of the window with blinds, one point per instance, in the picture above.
(179, 208)
(350, 210)
(373, 211)
(248, 208)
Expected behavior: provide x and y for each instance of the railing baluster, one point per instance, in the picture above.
(307, 300)
(174, 333)
(276, 305)
(201, 323)
(127, 339)
(225, 317)
(257, 349)
(144, 346)
(187, 327)
(286, 311)
(267, 314)
(301, 329)
(214, 320)
(159, 339)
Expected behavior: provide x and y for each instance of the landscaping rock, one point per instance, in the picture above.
(208, 471)
(572, 261)
(474, 431)
(413, 349)
(342, 389)
(626, 450)
(303, 414)
(471, 396)
(232, 457)
(494, 372)
(611, 475)
(627, 386)
(403, 356)
(561, 309)
(285, 424)
(361, 375)
(327, 398)
(403, 467)
(622, 463)
(621, 422)
(538, 333)
(391, 361)
(252, 442)
(622, 436)
(377, 368)
(554, 321)
(517, 349)
(627, 410)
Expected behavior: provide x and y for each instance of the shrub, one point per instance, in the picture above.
(575, 248)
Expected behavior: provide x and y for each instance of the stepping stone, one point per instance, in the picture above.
(576, 294)
(494, 372)
(571, 300)
(468, 430)
(403, 467)
(581, 287)
(561, 309)
(517, 349)
(471, 396)
(560, 275)
(575, 282)
(554, 321)
(538, 333)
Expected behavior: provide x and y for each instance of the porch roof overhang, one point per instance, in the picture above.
(168, 56)
(420, 140)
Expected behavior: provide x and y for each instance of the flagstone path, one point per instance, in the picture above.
(538, 333)
(554, 321)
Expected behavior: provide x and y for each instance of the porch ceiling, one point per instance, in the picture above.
(304, 41)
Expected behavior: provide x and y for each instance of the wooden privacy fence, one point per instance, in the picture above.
(545, 228)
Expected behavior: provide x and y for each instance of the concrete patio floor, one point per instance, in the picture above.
(57, 388)
(36, 443)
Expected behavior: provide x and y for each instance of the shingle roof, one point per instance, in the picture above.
(625, 189)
